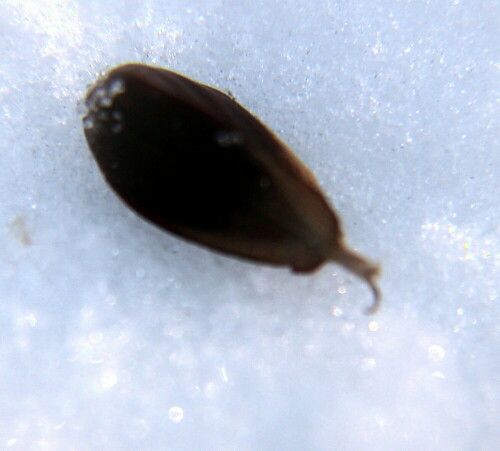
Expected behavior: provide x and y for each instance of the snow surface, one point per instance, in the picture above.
(117, 336)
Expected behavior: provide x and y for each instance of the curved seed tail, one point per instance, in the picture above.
(363, 268)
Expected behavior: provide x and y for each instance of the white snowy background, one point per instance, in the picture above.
(118, 336)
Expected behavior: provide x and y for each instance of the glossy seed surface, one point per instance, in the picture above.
(191, 160)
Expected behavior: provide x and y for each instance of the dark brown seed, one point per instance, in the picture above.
(191, 160)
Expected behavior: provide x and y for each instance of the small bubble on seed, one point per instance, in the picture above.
(116, 87)
(88, 122)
